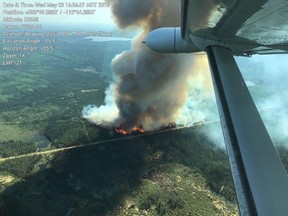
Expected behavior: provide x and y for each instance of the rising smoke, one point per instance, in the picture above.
(151, 90)
(269, 75)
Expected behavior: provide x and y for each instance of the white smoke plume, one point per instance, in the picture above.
(105, 114)
(150, 89)
(267, 79)
(270, 77)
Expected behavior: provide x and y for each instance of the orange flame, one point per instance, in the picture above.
(121, 131)
(139, 129)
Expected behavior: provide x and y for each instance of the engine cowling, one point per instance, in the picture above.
(169, 40)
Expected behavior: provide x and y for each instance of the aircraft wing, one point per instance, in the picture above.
(246, 27)
(224, 28)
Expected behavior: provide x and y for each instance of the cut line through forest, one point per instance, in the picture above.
(102, 141)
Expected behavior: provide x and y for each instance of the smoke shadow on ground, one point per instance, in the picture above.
(96, 180)
(87, 181)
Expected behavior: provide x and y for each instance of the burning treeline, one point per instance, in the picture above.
(149, 88)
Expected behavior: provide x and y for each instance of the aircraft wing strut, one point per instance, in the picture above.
(260, 180)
